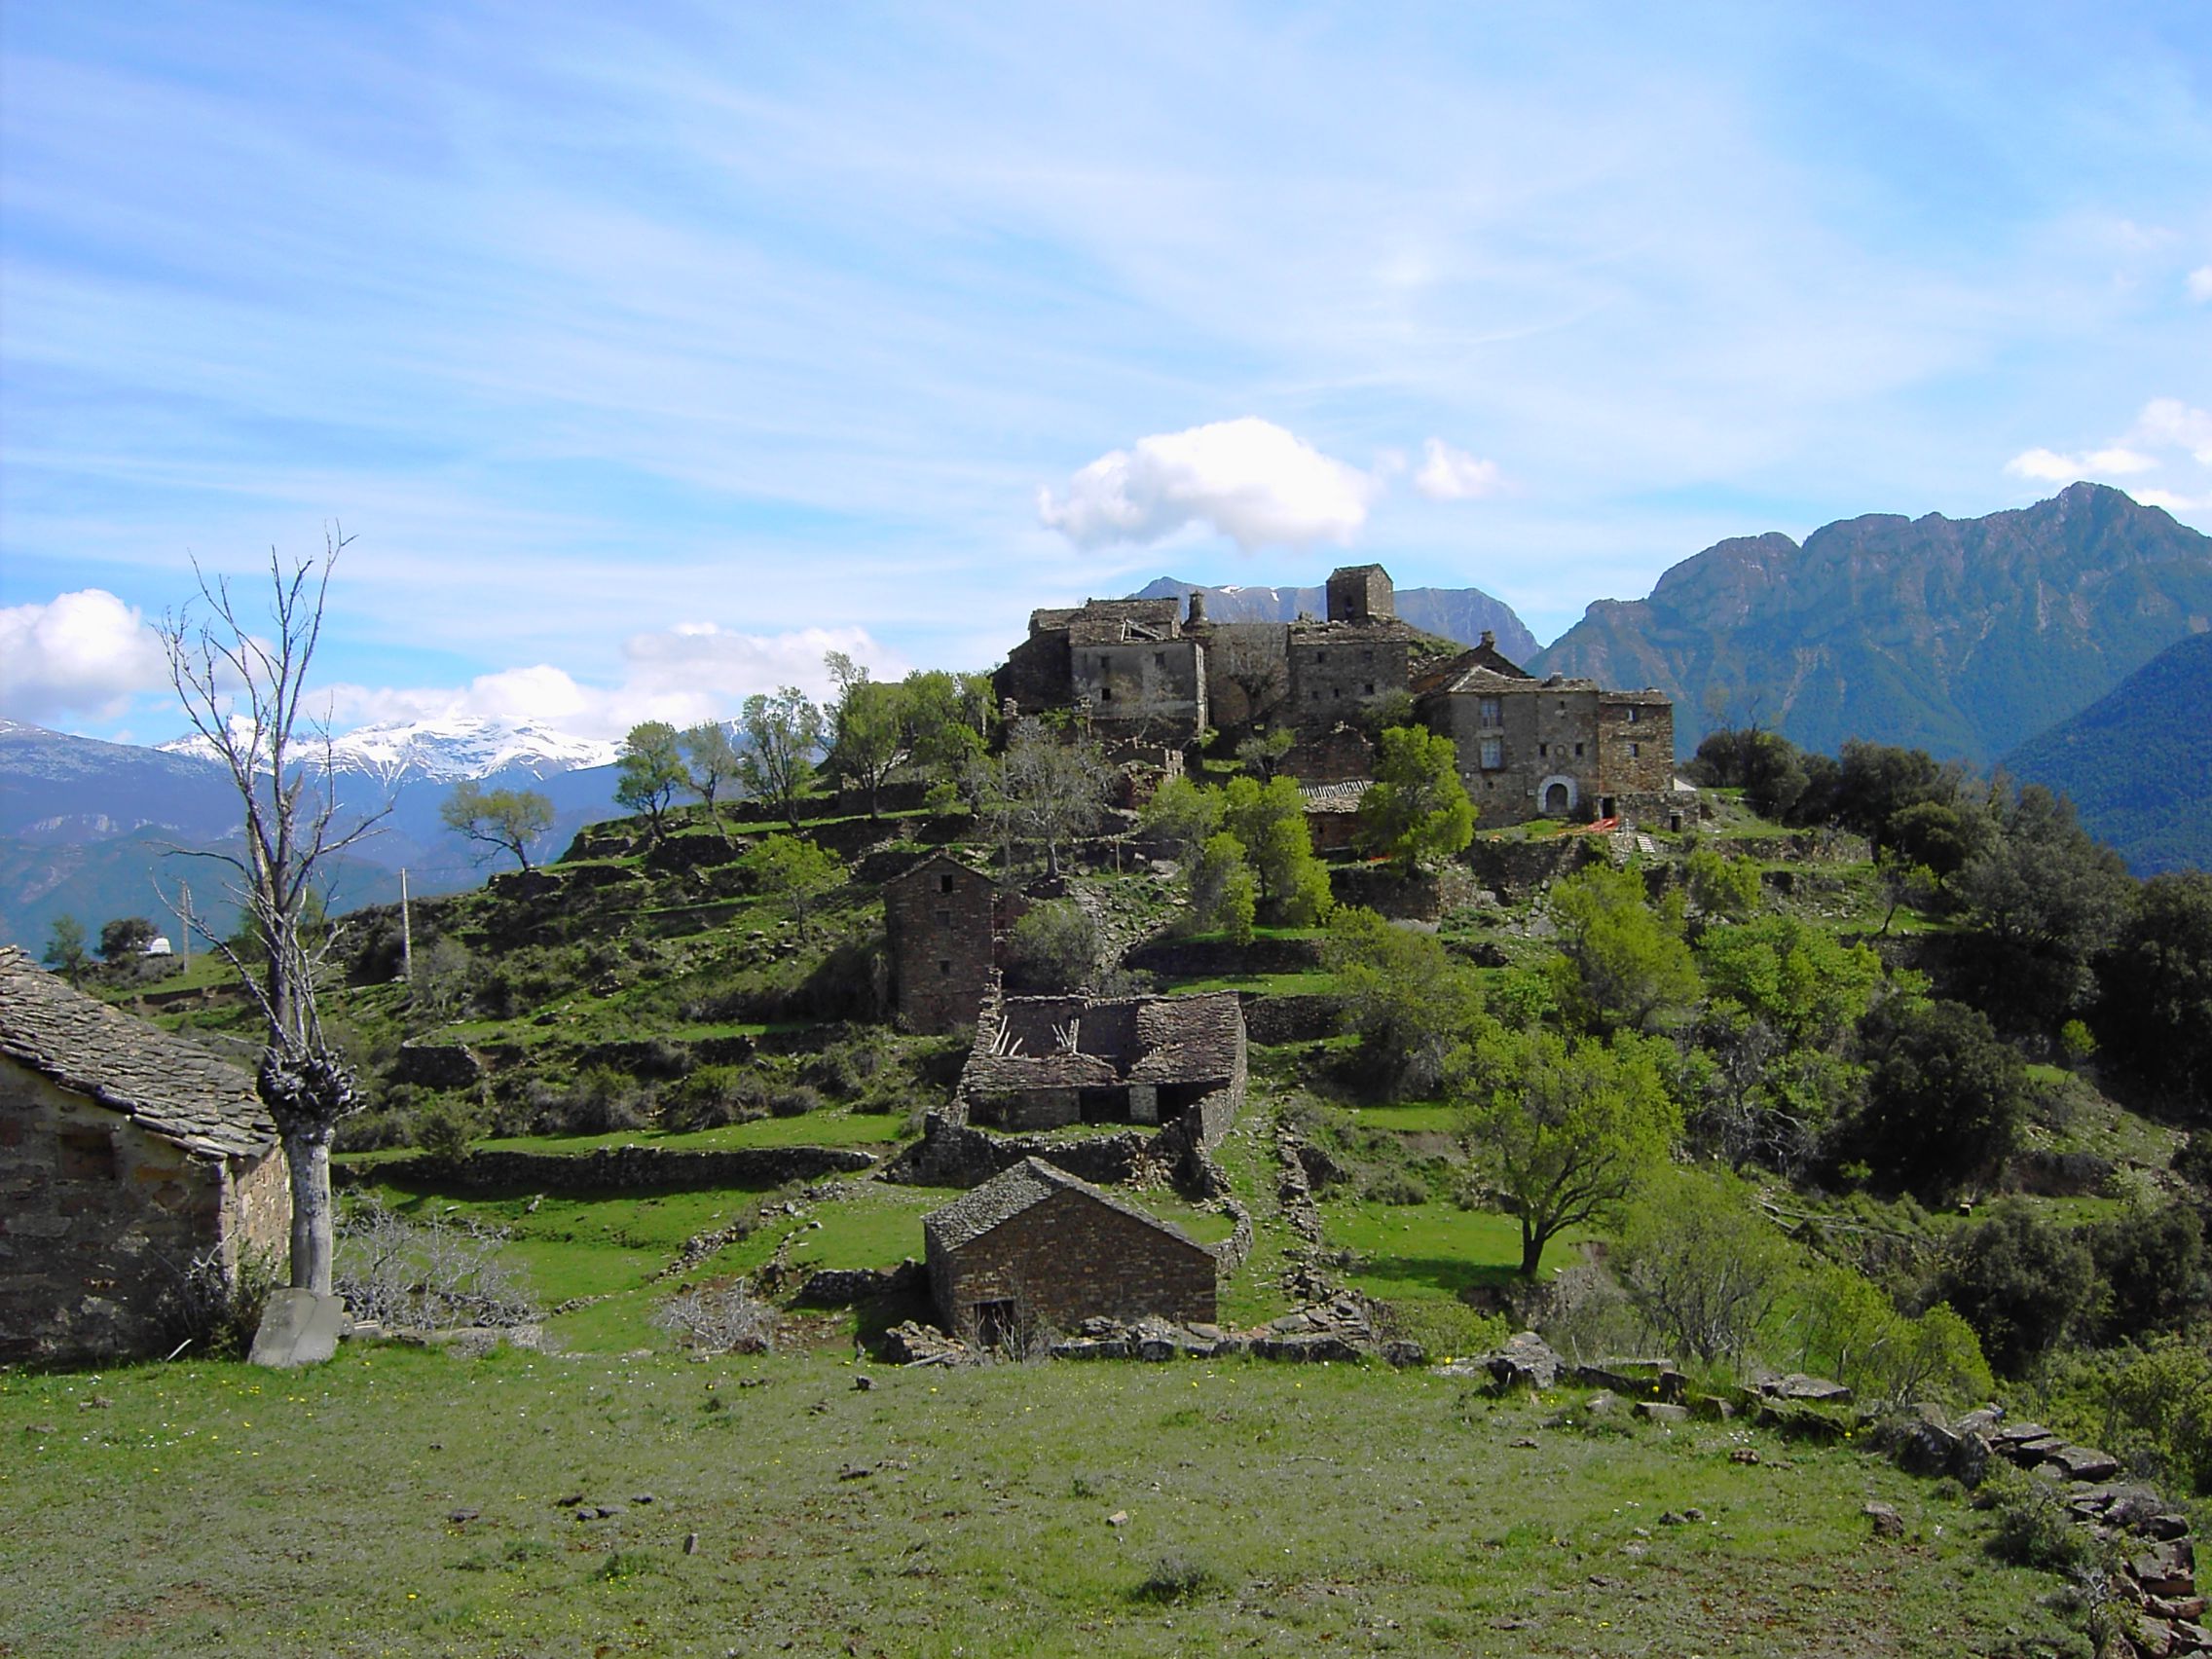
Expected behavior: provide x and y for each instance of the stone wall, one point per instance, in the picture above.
(1290, 1019)
(613, 1169)
(1071, 1258)
(1519, 870)
(98, 1218)
(1189, 958)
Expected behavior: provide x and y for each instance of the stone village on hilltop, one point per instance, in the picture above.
(119, 1143)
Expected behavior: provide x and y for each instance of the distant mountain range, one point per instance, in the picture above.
(1964, 637)
(91, 828)
(1454, 613)
(2137, 762)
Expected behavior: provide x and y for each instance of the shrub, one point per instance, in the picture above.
(1396, 1187)
(435, 1273)
(2022, 1283)
(601, 1101)
(1052, 948)
(1702, 1267)
(216, 1312)
(1174, 1577)
(714, 1097)
(720, 1319)
(444, 1127)
(796, 1101)
(2036, 1530)
(1944, 1099)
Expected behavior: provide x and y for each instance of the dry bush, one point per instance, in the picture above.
(719, 1318)
(433, 1275)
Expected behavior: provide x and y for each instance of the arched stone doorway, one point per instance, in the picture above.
(1555, 797)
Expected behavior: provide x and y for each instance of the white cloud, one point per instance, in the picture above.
(82, 652)
(2200, 282)
(1448, 474)
(2045, 464)
(683, 675)
(1249, 479)
(2172, 502)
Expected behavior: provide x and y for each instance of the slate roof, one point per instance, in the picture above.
(1343, 796)
(1023, 1186)
(168, 1086)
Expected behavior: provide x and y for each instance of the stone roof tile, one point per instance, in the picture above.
(1023, 1186)
(168, 1085)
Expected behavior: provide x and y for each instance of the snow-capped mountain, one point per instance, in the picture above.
(445, 751)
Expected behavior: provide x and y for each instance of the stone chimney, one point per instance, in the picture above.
(1490, 639)
(1197, 609)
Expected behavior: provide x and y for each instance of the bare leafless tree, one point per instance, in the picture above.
(243, 692)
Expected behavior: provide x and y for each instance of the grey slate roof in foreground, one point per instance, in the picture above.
(1023, 1186)
(168, 1086)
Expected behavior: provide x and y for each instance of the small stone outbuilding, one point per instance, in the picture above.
(1045, 1062)
(124, 1154)
(1035, 1246)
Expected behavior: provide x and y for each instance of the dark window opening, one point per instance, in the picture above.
(945, 884)
(943, 968)
(1159, 659)
(1578, 751)
(1605, 806)
(1177, 1098)
(1366, 656)
(86, 1155)
(944, 916)
(1105, 693)
(1370, 688)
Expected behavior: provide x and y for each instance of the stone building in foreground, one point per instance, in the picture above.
(125, 1155)
(1555, 748)
(1035, 1246)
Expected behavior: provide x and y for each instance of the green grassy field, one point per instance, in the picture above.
(402, 1503)
(826, 1127)
(1434, 1249)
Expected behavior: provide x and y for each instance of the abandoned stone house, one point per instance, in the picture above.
(943, 921)
(1147, 671)
(126, 1154)
(1036, 1246)
(1044, 1062)
(1553, 748)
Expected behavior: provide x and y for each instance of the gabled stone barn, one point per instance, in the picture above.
(124, 1153)
(1034, 1245)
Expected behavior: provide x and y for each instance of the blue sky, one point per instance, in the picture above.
(649, 352)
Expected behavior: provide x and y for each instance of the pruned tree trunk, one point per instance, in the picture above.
(306, 1097)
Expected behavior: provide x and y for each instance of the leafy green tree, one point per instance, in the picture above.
(1794, 976)
(1764, 764)
(1567, 1130)
(649, 772)
(1224, 897)
(1850, 1330)
(2043, 882)
(125, 937)
(1052, 948)
(1269, 819)
(796, 871)
(711, 766)
(2154, 1013)
(2153, 1263)
(1702, 1265)
(2023, 1283)
(783, 735)
(65, 950)
(1623, 965)
(1418, 813)
(1418, 1013)
(1938, 835)
(1183, 815)
(1944, 1099)
(1263, 750)
(1049, 790)
(500, 820)
(1726, 889)
(868, 727)
(948, 721)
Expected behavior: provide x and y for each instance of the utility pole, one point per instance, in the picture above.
(406, 935)
(184, 918)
